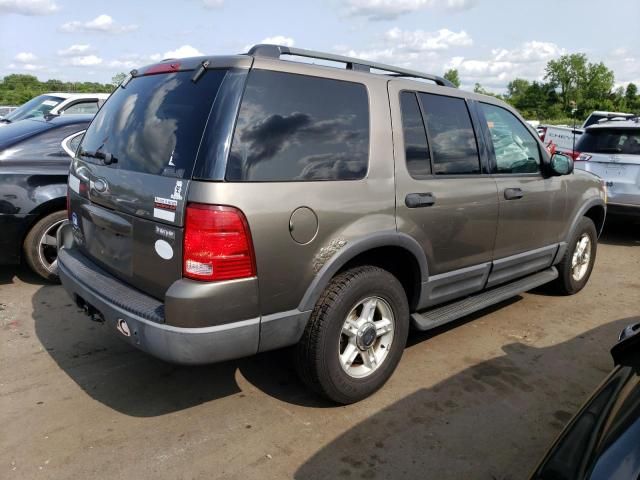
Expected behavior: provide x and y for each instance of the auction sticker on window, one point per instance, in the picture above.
(165, 208)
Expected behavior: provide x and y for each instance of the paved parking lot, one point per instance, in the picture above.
(481, 399)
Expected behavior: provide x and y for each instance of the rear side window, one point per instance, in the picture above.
(82, 107)
(155, 124)
(604, 140)
(300, 128)
(416, 149)
(453, 142)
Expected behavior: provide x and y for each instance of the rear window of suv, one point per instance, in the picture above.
(605, 140)
(155, 123)
(300, 128)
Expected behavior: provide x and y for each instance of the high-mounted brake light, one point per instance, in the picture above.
(169, 67)
(217, 244)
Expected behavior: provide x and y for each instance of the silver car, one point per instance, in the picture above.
(611, 150)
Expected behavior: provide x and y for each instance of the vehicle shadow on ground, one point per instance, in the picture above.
(618, 231)
(9, 273)
(493, 420)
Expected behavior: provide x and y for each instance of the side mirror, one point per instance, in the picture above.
(561, 164)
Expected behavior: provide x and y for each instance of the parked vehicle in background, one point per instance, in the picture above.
(57, 104)
(34, 164)
(222, 206)
(602, 442)
(6, 110)
(611, 150)
(564, 137)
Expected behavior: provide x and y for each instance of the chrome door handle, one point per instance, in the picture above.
(513, 193)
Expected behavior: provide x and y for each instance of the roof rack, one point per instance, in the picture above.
(275, 51)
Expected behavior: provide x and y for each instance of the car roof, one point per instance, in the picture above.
(633, 124)
(67, 95)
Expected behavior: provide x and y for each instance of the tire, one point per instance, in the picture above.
(42, 259)
(318, 354)
(567, 283)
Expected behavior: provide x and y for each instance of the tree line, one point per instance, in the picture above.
(572, 87)
(16, 89)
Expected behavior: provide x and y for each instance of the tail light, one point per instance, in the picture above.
(583, 157)
(217, 244)
(542, 132)
(573, 154)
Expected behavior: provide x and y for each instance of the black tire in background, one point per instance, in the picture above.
(317, 353)
(42, 257)
(566, 284)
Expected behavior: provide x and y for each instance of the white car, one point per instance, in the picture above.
(56, 104)
(611, 150)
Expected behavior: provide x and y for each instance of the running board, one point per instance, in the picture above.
(452, 311)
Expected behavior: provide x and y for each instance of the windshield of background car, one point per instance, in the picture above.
(601, 140)
(34, 108)
(155, 123)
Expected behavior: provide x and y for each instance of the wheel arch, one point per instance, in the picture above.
(396, 252)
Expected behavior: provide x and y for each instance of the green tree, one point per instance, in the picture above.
(118, 78)
(567, 73)
(632, 100)
(452, 76)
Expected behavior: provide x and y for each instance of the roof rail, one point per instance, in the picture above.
(275, 51)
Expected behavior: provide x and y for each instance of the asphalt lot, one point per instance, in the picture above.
(481, 399)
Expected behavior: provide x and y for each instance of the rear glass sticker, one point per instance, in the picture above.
(165, 209)
(177, 191)
(50, 103)
(164, 250)
(74, 183)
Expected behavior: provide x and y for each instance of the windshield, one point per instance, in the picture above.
(600, 140)
(154, 124)
(34, 108)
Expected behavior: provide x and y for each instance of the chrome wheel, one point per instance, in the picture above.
(366, 337)
(48, 247)
(581, 257)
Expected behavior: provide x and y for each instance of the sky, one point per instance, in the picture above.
(489, 41)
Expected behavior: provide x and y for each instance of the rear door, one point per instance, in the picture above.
(445, 198)
(531, 206)
(614, 155)
(132, 172)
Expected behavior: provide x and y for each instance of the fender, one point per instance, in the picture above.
(593, 202)
(390, 238)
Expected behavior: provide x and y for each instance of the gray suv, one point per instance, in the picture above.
(225, 206)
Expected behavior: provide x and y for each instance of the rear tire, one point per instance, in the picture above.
(40, 250)
(370, 305)
(575, 267)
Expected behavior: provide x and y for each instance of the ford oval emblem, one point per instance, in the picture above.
(100, 185)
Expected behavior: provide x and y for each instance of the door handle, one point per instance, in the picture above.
(419, 200)
(513, 193)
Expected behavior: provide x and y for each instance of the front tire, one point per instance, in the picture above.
(356, 335)
(40, 249)
(575, 267)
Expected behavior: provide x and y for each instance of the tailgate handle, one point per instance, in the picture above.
(513, 193)
(419, 200)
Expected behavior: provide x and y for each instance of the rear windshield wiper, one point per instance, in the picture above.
(106, 157)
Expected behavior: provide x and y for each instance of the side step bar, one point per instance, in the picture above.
(452, 311)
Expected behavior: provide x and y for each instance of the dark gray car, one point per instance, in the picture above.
(224, 206)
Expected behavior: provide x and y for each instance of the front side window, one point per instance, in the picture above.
(82, 107)
(450, 132)
(416, 149)
(300, 128)
(515, 147)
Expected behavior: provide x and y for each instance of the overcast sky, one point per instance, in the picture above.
(488, 41)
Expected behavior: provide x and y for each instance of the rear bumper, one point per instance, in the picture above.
(113, 302)
(622, 209)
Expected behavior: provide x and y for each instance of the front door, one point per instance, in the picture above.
(444, 197)
(531, 206)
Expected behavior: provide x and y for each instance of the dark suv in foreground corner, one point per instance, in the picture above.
(224, 206)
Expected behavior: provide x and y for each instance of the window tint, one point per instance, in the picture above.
(155, 124)
(296, 128)
(600, 140)
(416, 149)
(515, 147)
(453, 142)
(82, 107)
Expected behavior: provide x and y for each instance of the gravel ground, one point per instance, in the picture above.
(481, 399)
